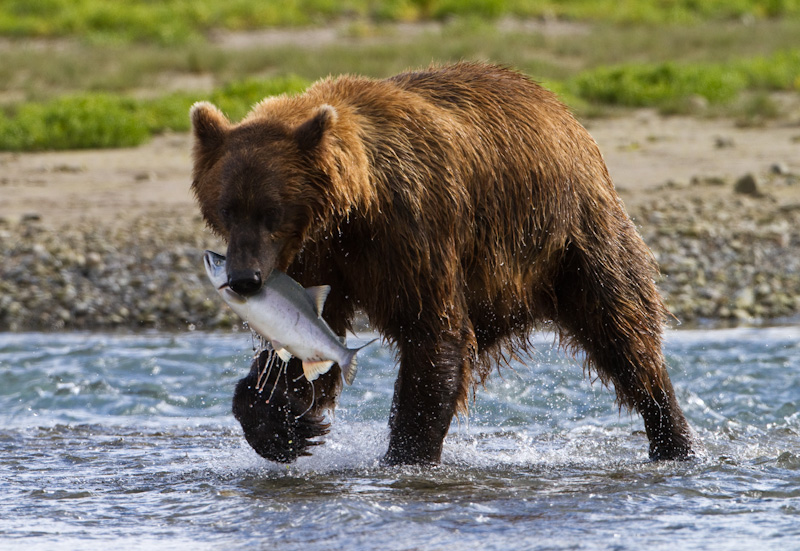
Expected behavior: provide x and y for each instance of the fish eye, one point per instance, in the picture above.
(217, 262)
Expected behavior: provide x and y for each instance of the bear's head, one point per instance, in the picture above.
(263, 185)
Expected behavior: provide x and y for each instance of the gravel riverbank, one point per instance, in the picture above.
(729, 251)
(144, 273)
(726, 256)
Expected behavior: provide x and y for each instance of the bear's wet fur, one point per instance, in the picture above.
(460, 207)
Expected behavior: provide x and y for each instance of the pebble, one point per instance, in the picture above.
(69, 168)
(731, 259)
(722, 142)
(143, 176)
(782, 169)
(747, 185)
(89, 276)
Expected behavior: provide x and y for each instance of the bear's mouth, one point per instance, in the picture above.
(232, 296)
(225, 288)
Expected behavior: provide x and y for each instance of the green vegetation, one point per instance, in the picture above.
(124, 71)
(97, 120)
(92, 120)
(176, 21)
(103, 120)
(670, 85)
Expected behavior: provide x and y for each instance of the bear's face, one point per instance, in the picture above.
(258, 187)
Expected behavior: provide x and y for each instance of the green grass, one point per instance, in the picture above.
(98, 120)
(669, 85)
(37, 72)
(166, 21)
(179, 21)
(658, 85)
(99, 91)
(103, 120)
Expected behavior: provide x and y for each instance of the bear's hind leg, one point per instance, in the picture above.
(432, 384)
(616, 316)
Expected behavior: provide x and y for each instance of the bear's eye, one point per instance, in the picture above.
(271, 218)
(224, 218)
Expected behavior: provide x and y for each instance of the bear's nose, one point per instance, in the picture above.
(245, 282)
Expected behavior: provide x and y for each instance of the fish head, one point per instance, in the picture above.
(215, 269)
(218, 275)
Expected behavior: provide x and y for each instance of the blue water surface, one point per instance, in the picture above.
(128, 440)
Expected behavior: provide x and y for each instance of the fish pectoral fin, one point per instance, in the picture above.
(313, 369)
(318, 296)
(282, 353)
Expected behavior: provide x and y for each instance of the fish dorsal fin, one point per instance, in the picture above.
(314, 369)
(318, 296)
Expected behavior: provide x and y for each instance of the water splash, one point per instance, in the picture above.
(130, 439)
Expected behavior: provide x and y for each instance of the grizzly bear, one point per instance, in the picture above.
(458, 207)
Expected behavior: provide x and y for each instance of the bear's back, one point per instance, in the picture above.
(466, 86)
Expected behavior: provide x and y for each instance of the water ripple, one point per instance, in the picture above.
(130, 440)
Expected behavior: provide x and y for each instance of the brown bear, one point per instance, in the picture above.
(459, 207)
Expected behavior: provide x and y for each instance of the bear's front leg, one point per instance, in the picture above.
(280, 412)
(433, 381)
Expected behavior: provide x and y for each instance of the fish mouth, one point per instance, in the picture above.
(226, 289)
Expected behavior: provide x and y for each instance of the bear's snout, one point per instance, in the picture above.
(245, 282)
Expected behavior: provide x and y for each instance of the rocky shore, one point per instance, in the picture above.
(729, 252)
(145, 273)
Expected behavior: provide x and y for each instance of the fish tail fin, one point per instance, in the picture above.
(350, 366)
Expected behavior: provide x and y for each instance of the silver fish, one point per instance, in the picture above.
(289, 316)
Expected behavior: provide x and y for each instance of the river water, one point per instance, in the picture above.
(128, 441)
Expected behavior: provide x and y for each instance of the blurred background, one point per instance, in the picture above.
(105, 74)
(695, 105)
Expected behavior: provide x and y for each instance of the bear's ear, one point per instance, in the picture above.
(310, 133)
(209, 125)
